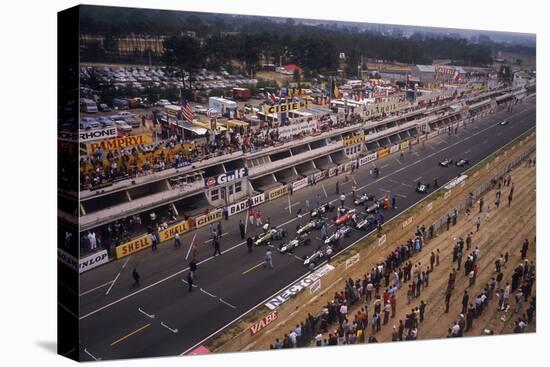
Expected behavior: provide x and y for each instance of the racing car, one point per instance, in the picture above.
(322, 210)
(272, 234)
(318, 256)
(503, 123)
(422, 188)
(373, 208)
(298, 241)
(462, 162)
(343, 231)
(346, 217)
(368, 223)
(446, 162)
(309, 226)
(363, 199)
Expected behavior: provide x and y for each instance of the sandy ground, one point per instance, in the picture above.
(503, 230)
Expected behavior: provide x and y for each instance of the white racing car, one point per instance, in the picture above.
(363, 199)
(341, 232)
(446, 162)
(318, 256)
(322, 210)
(310, 226)
(298, 241)
(272, 234)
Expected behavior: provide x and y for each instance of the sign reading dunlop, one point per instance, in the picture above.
(281, 108)
(278, 192)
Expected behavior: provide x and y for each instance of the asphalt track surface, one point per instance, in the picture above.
(162, 318)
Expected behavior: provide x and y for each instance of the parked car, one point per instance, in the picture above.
(162, 103)
(105, 121)
(122, 126)
(120, 103)
(88, 105)
(104, 108)
(87, 123)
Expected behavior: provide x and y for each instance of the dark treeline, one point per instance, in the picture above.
(221, 38)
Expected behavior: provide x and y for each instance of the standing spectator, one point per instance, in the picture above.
(249, 244)
(478, 223)
(342, 199)
(220, 229)
(241, 229)
(190, 281)
(447, 300)
(216, 247)
(153, 241)
(524, 248)
(135, 276)
(258, 218)
(177, 240)
(421, 309)
(269, 258)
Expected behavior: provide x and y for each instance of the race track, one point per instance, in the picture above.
(120, 321)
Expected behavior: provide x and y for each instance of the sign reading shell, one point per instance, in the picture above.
(133, 246)
(264, 322)
(281, 108)
(171, 231)
(383, 152)
(119, 143)
(213, 216)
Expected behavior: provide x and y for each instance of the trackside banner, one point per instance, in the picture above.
(298, 286)
(213, 216)
(135, 245)
(171, 231)
(119, 143)
(367, 159)
(84, 264)
(278, 192)
(243, 205)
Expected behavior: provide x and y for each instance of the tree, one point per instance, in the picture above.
(185, 54)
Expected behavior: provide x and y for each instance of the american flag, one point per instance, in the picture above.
(186, 110)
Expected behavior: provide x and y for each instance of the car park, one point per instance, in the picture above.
(162, 103)
(105, 121)
(87, 123)
(104, 108)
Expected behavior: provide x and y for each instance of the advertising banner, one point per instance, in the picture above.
(394, 148)
(264, 322)
(404, 145)
(354, 140)
(170, 232)
(119, 143)
(278, 192)
(298, 287)
(368, 158)
(91, 135)
(383, 152)
(281, 108)
(243, 205)
(299, 184)
(213, 216)
(226, 177)
(133, 246)
(295, 129)
(92, 261)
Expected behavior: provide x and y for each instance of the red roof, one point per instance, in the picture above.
(292, 67)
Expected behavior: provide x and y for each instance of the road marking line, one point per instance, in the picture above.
(406, 184)
(393, 181)
(289, 206)
(398, 161)
(69, 352)
(468, 151)
(126, 262)
(90, 354)
(112, 284)
(291, 220)
(417, 179)
(401, 195)
(185, 281)
(298, 257)
(227, 303)
(191, 246)
(66, 309)
(95, 289)
(325, 191)
(67, 288)
(296, 203)
(210, 294)
(223, 234)
(384, 190)
(252, 268)
(384, 166)
(175, 331)
(146, 314)
(130, 334)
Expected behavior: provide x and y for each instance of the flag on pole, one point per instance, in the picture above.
(186, 110)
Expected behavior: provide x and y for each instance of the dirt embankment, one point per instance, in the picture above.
(501, 231)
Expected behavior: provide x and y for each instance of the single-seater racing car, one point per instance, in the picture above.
(298, 241)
